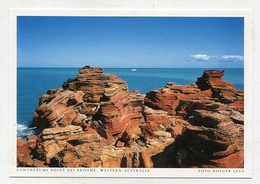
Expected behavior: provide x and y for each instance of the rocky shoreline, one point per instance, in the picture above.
(95, 121)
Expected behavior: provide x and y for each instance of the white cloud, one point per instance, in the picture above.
(215, 58)
(202, 57)
(233, 57)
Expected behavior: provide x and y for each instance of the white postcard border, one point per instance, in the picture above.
(246, 172)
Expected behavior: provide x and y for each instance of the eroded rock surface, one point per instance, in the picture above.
(95, 121)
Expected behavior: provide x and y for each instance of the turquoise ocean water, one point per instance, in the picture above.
(34, 82)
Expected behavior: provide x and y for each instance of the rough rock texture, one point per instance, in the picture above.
(95, 121)
(214, 111)
(224, 91)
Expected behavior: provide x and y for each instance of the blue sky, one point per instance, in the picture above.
(130, 42)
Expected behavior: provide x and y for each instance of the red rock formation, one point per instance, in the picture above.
(214, 136)
(224, 91)
(24, 153)
(92, 95)
(95, 121)
(168, 98)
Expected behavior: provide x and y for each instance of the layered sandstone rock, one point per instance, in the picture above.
(24, 153)
(168, 97)
(214, 134)
(92, 100)
(224, 91)
(95, 121)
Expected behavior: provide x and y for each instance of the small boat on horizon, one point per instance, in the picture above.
(133, 70)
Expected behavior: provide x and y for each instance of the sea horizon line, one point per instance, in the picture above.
(137, 67)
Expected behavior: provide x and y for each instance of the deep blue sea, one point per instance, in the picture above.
(34, 82)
